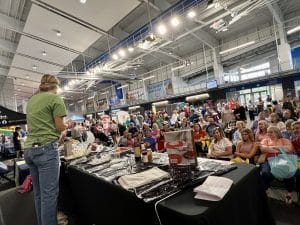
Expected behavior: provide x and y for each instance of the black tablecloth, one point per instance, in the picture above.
(245, 203)
(102, 203)
(99, 202)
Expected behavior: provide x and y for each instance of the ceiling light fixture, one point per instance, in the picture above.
(115, 56)
(58, 33)
(162, 29)
(130, 49)
(71, 104)
(122, 53)
(148, 78)
(34, 67)
(191, 14)
(23, 84)
(177, 67)
(18, 89)
(27, 77)
(44, 53)
(295, 29)
(237, 47)
(66, 88)
(82, 1)
(133, 107)
(123, 86)
(80, 101)
(175, 21)
(160, 103)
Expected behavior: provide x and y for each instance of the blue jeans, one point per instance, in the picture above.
(43, 162)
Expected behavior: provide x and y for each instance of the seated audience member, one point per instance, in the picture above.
(211, 126)
(202, 122)
(277, 108)
(261, 116)
(269, 146)
(247, 147)
(240, 112)
(177, 125)
(227, 115)
(261, 132)
(199, 135)
(275, 121)
(184, 123)
(145, 127)
(220, 147)
(288, 131)
(130, 140)
(132, 128)
(193, 116)
(237, 136)
(123, 142)
(155, 131)
(140, 137)
(287, 114)
(149, 140)
(296, 137)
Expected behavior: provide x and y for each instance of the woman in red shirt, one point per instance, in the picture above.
(199, 136)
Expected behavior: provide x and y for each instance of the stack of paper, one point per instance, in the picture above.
(213, 189)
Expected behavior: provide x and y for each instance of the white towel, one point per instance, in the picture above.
(139, 179)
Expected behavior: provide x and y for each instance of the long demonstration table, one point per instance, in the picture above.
(101, 203)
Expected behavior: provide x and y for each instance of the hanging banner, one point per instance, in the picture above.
(90, 105)
(101, 104)
(160, 90)
(135, 96)
(119, 91)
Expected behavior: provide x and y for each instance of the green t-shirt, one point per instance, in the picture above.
(41, 110)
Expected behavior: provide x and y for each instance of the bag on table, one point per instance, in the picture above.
(283, 165)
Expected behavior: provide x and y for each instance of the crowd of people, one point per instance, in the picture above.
(227, 131)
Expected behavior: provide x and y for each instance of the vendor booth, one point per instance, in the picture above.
(9, 117)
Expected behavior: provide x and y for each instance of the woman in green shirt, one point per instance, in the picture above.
(45, 113)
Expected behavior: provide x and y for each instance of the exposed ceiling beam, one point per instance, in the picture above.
(162, 4)
(5, 61)
(118, 32)
(206, 38)
(3, 71)
(8, 46)
(276, 12)
(151, 5)
(11, 23)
